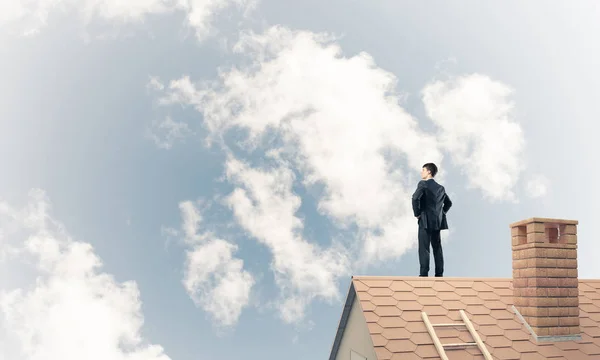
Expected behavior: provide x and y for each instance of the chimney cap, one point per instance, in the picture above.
(544, 220)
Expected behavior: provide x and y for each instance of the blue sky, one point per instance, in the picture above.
(199, 180)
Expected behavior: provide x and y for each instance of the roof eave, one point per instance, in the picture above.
(343, 320)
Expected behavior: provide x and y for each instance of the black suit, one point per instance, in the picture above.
(431, 203)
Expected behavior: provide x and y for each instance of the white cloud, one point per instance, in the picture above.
(217, 281)
(476, 126)
(265, 206)
(155, 84)
(342, 126)
(537, 186)
(214, 279)
(96, 316)
(28, 17)
(165, 133)
(200, 12)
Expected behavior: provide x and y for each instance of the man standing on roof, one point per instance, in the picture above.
(430, 204)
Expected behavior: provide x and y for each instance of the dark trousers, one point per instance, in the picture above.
(427, 239)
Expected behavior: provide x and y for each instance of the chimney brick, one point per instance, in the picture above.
(545, 283)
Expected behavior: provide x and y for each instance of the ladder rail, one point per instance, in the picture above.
(436, 340)
(480, 344)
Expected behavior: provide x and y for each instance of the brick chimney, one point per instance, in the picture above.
(545, 283)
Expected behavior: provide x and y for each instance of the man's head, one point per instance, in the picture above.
(428, 171)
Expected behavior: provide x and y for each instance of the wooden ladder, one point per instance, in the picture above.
(466, 322)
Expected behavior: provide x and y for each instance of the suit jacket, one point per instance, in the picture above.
(431, 202)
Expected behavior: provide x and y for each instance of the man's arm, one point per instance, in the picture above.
(416, 198)
(447, 203)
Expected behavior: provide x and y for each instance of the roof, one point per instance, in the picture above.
(392, 307)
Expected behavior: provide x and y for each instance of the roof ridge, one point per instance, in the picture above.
(387, 277)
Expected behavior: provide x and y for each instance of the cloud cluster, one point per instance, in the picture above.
(263, 203)
(28, 17)
(335, 125)
(214, 279)
(167, 132)
(537, 186)
(71, 310)
(476, 126)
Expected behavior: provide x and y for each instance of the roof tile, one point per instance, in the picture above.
(378, 283)
(593, 331)
(524, 346)
(406, 296)
(575, 355)
(442, 286)
(434, 310)
(396, 334)
(465, 291)
(506, 353)
(590, 349)
(421, 291)
(400, 346)
(382, 353)
(484, 320)
(595, 317)
(478, 310)
(440, 319)
(367, 306)
(507, 324)
(411, 316)
(387, 311)
(429, 300)
(360, 286)
(401, 286)
(472, 300)
(421, 338)
(516, 334)
(481, 286)
(447, 295)
(416, 327)
(461, 283)
(374, 328)
(495, 305)
(502, 314)
(384, 300)
(498, 341)
(490, 330)
(371, 317)
(593, 296)
(532, 356)
(388, 322)
(427, 351)
(406, 356)
(550, 351)
(380, 291)
(406, 305)
(502, 292)
(590, 308)
(379, 340)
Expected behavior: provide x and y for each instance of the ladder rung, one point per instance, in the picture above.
(466, 322)
(459, 345)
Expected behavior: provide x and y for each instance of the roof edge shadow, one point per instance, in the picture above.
(343, 320)
(545, 338)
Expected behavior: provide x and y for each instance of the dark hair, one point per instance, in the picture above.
(432, 168)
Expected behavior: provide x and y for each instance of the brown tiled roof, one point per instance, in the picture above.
(392, 307)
